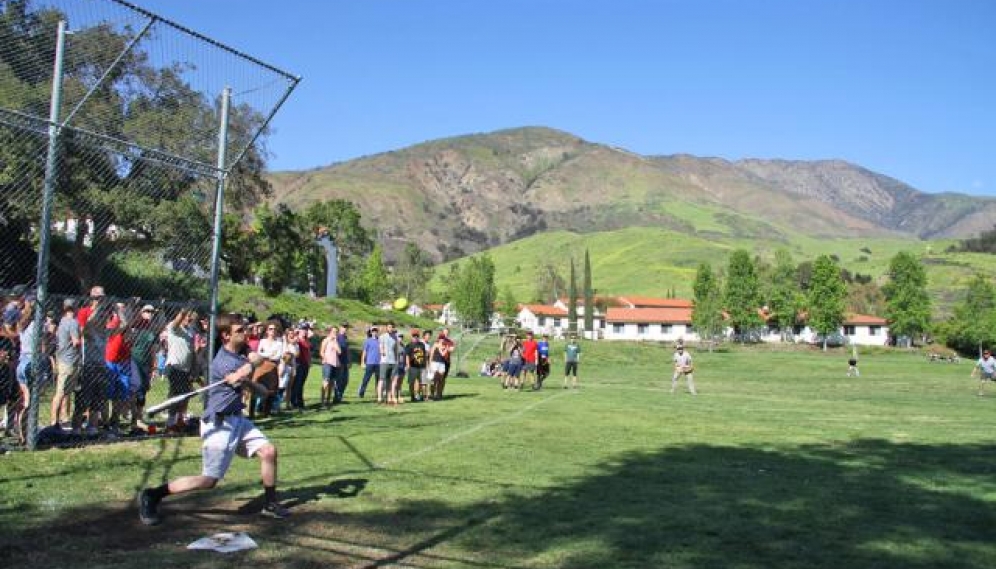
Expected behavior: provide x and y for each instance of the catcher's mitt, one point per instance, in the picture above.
(687, 369)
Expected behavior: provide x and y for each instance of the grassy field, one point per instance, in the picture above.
(780, 461)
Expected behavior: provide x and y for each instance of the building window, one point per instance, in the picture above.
(848, 330)
(642, 329)
(617, 328)
(542, 320)
(874, 330)
(665, 328)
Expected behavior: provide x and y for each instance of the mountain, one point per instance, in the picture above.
(461, 195)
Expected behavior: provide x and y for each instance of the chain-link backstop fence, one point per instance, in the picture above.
(122, 135)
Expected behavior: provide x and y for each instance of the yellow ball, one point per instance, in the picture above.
(401, 303)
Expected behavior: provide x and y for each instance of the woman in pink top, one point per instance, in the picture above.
(330, 363)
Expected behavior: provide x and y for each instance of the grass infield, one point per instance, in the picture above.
(781, 461)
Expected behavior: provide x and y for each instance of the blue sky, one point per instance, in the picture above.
(904, 88)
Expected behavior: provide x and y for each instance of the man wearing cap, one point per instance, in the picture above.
(145, 338)
(682, 366)
(369, 361)
(67, 361)
(92, 319)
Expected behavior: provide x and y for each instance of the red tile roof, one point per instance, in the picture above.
(864, 320)
(651, 302)
(649, 315)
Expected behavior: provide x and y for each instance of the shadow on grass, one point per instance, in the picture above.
(870, 503)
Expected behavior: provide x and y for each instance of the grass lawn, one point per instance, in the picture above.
(781, 461)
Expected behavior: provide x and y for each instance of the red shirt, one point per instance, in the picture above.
(83, 314)
(529, 349)
(117, 350)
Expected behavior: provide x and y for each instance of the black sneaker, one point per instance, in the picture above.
(148, 509)
(274, 510)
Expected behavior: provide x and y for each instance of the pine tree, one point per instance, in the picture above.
(589, 297)
(572, 303)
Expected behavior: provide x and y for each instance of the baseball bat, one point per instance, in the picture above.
(176, 400)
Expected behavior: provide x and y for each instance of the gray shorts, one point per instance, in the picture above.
(223, 439)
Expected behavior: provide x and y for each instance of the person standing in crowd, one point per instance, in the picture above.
(440, 383)
(542, 360)
(426, 385)
(329, 351)
(344, 362)
(530, 353)
(572, 357)
(91, 398)
(303, 365)
(415, 361)
(67, 362)
(682, 366)
(437, 363)
(179, 364)
(143, 353)
(117, 360)
(986, 370)
(369, 361)
(225, 432)
(388, 362)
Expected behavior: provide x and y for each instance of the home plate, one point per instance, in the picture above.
(225, 542)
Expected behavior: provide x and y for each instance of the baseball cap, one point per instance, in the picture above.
(69, 303)
(148, 308)
(345, 325)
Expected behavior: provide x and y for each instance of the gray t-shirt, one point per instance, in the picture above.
(987, 366)
(388, 349)
(68, 330)
(224, 399)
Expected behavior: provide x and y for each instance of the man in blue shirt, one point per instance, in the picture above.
(986, 368)
(224, 431)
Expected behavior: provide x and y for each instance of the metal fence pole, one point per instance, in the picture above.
(219, 203)
(44, 233)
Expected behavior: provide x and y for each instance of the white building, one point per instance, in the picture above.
(650, 324)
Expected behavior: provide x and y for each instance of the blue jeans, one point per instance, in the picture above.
(371, 370)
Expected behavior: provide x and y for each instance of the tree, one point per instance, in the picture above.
(589, 297)
(826, 297)
(783, 295)
(572, 303)
(972, 327)
(472, 290)
(100, 186)
(549, 283)
(281, 238)
(412, 273)
(509, 306)
(743, 296)
(376, 285)
(354, 243)
(907, 304)
(707, 309)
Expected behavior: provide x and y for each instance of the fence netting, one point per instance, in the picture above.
(125, 150)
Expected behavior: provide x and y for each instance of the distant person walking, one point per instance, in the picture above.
(682, 366)
(572, 356)
(986, 370)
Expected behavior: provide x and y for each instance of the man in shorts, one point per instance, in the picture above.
(225, 432)
(67, 362)
(986, 368)
(572, 355)
(682, 366)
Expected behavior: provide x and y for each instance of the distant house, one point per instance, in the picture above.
(858, 329)
(543, 319)
(597, 318)
(665, 324)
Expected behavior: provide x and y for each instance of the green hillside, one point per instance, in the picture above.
(649, 261)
